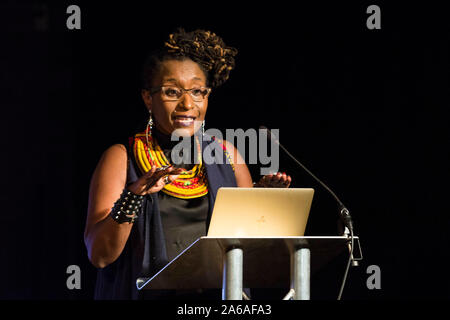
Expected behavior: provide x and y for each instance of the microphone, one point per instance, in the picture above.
(344, 213)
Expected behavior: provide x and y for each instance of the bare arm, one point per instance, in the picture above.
(104, 238)
(243, 177)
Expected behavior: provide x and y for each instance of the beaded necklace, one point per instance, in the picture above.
(190, 183)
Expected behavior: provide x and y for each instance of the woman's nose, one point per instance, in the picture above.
(186, 101)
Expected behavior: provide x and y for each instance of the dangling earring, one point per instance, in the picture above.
(203, 127)
(150, 121)
(149, 126)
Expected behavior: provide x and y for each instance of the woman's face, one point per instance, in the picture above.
(184, 113)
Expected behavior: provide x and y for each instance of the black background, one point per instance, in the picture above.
(364, 109)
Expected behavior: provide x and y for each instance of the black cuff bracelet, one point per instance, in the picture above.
(127, 207)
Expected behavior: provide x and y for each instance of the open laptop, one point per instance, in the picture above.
(260, 212)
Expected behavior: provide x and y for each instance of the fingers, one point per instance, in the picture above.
(289, 181)
(157, 180)
(277, 180)
(171, 178)
(152, 176)
(157, 173)
(172, 175)
(285, 180)
(154, 179)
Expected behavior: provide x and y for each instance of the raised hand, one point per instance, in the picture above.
(276, 180)
(154, 180)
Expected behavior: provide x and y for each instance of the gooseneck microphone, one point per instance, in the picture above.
(343, 211)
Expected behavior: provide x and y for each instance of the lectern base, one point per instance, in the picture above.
(236, 263)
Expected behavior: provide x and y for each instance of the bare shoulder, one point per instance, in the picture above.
(114, 155)
(231, 149)
(111, 168)
(107, 182)
(116, 149)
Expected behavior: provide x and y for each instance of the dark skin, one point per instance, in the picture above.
(187, 74)
(277, 180)
(104, 238)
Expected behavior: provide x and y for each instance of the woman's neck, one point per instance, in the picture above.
(164, 140)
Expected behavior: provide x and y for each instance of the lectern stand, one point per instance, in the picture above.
(236, 263)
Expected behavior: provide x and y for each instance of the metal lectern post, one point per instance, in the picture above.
(278, 262)
(232, 274)
(300, 273)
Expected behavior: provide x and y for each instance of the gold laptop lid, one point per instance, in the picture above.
(260, 212)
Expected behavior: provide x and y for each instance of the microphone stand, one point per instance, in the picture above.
(344, 213)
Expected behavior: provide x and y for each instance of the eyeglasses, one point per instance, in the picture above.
(172, 93)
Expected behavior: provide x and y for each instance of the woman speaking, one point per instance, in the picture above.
(143, 208)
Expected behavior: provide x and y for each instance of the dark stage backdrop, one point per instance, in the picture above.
(364, 109)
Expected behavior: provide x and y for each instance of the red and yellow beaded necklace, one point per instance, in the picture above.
(190, 184)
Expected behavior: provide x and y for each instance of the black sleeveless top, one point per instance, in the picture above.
(183, 220)
(145, 252)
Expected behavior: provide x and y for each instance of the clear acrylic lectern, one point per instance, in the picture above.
(236, 263)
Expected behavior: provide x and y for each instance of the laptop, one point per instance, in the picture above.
(260, 212)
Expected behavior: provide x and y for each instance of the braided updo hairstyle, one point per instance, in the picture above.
(203, 47)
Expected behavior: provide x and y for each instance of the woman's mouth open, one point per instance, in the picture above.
(183, 121)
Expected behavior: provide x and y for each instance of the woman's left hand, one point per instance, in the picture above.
(277, 180)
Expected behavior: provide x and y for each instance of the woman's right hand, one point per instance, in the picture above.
(153, 181)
